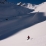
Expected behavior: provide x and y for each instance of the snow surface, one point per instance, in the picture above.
(41, 8)
(37, 8)
(14, 18)
(36, 32)
(9, 9)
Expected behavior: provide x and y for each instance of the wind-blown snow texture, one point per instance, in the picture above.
(14, 18)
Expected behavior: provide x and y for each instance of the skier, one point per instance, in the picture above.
(28, 37)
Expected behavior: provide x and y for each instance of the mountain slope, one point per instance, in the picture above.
(16, 24)
(41, 8)
(9, 10)
(15, 18)
(37, 8)
(10, 27)
(37, 32)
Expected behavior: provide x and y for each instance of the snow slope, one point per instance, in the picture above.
(14, 18)
(14, 25)
(9, 9)
(41, 8)
(36, 32)
(37, 8)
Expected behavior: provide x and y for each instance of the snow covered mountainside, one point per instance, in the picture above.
(40, 7)
(14, 18)
(37, 35)
(37, 8)
(17, 22)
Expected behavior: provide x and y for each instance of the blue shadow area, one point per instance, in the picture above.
(25, 22)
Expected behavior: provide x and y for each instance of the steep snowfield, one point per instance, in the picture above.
(14, 25)
(9, 9)
(36, 32)
(37, 8)
(14, 18)
(41, 8)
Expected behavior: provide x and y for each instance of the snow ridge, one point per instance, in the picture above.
(27, 5)
(37, 8)
(41, 8)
